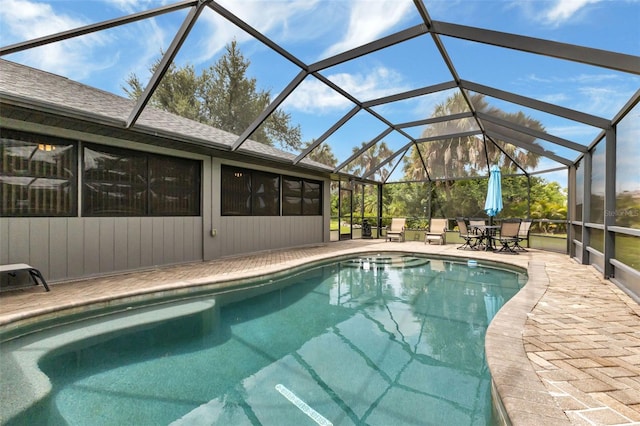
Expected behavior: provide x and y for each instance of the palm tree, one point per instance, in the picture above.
(460, 157)
(322, 154)
(467, 156)
(370, 159)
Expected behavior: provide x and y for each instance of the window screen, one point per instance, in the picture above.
(119, 182)
(37, 175)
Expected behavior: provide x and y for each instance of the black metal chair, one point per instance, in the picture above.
(476, 226)
(470, 239)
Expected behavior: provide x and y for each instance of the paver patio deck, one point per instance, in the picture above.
(564, 350)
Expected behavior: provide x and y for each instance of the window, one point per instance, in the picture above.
(266, 194)
(174, 186)
(311, 196)
(118, 182)
(301, 197)
(291, 196)
(37, 175)
(249, 192)
(253, 193)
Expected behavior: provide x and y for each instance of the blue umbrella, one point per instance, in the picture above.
(493, 203)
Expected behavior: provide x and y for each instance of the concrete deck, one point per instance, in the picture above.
(564, 350)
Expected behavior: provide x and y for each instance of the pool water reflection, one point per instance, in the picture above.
(379, 340)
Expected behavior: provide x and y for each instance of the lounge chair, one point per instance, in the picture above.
(509, 235)
(437, 231)
(396, 229)
(34, 273)
(523, 234)
(470, 239)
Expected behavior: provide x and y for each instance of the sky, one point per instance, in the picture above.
(312, 30)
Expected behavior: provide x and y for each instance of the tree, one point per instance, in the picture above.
(322, 154)
(467, 156)
(548, 201)
(223, 97)
(450, 158)
(369, 160)
(177, 93)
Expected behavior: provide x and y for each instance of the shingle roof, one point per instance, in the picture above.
(40, 90)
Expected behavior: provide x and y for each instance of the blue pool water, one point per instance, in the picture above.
(376, 340)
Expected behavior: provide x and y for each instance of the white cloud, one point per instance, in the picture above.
(564, 10)
(604, 101)
(601, 94)
(579, 133)
(554, 98)
(80, 58)
(555, 12)
(313, 96)
(572, 79)
(132, 6)
(25, 20)
(368, 20)
(271, 17)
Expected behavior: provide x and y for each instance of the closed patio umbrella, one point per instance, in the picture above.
(493, 203)
(492, 305)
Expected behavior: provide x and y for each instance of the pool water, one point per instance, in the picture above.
(376, 340)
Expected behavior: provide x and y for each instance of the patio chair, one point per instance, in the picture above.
(509, 235)
(523, 234)
(476, 226)
(437, 231)
(396, 229)
(470, 239)
(473, 223)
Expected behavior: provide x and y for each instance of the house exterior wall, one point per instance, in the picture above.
(68, 248)
(246, 234)
(65, 248)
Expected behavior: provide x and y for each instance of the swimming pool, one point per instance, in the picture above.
(377, 339)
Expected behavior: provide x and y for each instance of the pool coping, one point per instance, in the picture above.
(519, 396)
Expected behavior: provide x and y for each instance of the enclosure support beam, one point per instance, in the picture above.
(554, 49)
(269, 109)
(88, 29)
(379, 210)
(586, 206)
(166, 60)
(532, 132)
(609, 201)
(571, 210)
(570, 114)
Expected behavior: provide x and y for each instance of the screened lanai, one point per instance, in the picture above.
(404, 105)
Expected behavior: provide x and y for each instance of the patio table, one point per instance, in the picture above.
(487, 234)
